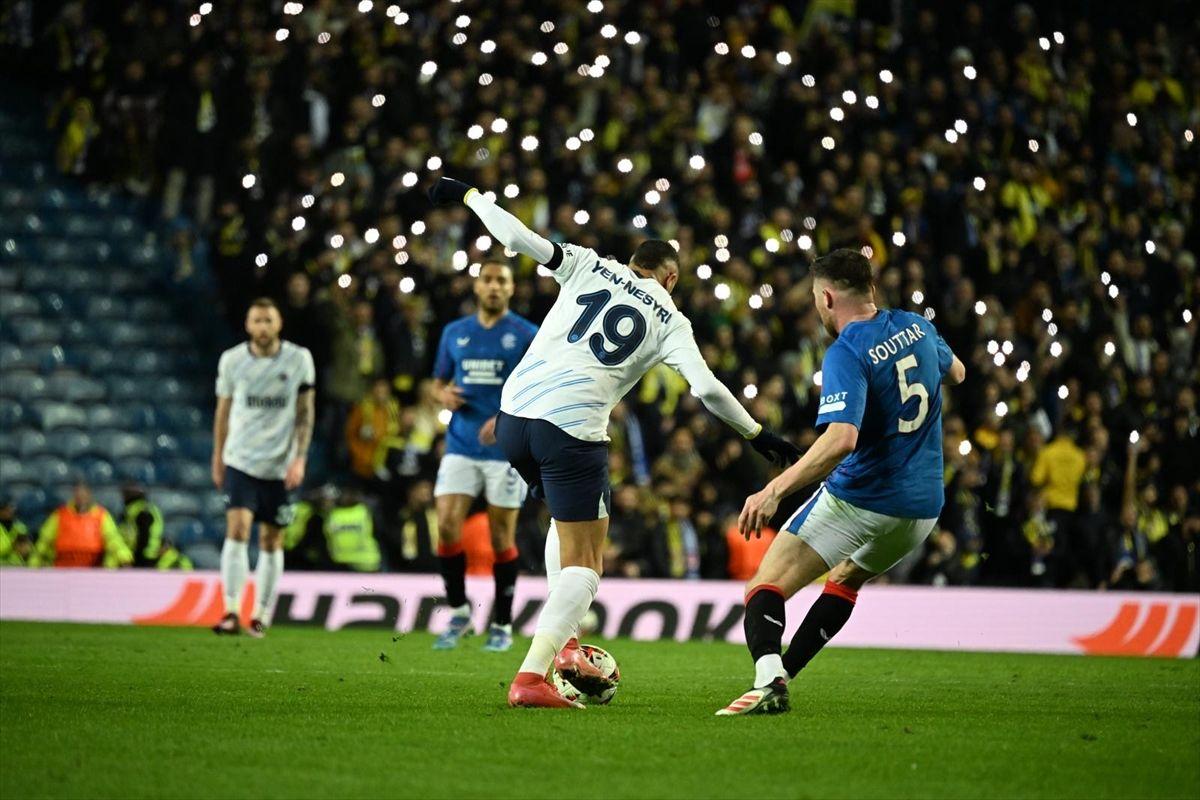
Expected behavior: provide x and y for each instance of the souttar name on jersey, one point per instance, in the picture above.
(889, 347)
(660, 311)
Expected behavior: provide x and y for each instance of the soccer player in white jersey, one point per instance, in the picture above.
(263, 426)
(611, 323)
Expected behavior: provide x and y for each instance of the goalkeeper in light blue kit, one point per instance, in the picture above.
(611, 323)
(881, 408)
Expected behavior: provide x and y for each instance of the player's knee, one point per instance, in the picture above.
(850, 575)
(238, 530)
(270, 541)
(449, 526)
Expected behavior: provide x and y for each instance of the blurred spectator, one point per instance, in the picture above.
(81, 533)
(373, 423)
(745, 554)
(304, 541)
(142, 529)
(1057, 472)
(16, 546)
(76, 142)
(675, 546)
(350, 533)
(410, 545)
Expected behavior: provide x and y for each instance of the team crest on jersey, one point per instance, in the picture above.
(283, 376)
(508, 341)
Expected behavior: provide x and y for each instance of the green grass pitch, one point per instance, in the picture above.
(96, 711)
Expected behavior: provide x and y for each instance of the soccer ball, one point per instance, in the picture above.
(603, 661)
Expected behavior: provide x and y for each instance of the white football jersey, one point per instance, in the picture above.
(607, 328)
(262, 415)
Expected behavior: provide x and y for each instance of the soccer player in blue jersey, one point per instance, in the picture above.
(881, 457)
(476, 354)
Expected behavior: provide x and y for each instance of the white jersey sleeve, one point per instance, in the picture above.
(607, 328)
(682, 355)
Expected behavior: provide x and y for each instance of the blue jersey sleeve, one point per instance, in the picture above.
(945, 355)
(443, 365)
(843, 387)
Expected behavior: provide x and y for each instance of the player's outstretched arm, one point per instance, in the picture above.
(684, 357)
(503, 226)
(837, 442)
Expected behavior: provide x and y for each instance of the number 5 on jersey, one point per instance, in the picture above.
(908, 391)
(626, 341)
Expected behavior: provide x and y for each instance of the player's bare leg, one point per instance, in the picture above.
(581, 546)
(235, 566)
(451, 511)
(502, 523)
(789, 565)
(267, 573)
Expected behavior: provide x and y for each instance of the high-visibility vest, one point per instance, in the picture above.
(129, 528)
(80, 541)
(351, 538)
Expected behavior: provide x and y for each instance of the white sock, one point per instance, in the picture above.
(235, 566)
(554, 566)
(767, 669)
(570, 600)
(266, 578)
(553, 558)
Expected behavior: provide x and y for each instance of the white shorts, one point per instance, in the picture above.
(838, 530)
(496, 480)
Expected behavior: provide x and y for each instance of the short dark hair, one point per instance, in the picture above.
(263, 302)
(845, 269)
(653, 254)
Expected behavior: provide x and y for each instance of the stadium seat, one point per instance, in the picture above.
(47, 357)
(180, 418)
(137, 470)
(213, 504)
(32, 501)
(110, 498)
(33, 330)
(99, 361)
(60, 415)
(164, 470)
(166, 446)
(69, 444)
(97, 470)
(23, 385)
(176, 503)
(12, 414)
(119, 445)
(12, 471)
(148, 310)
(104, 307)
(55, 304)
(121, 387)
(12, 357)
(185, 531)
(191, 475)
(18, 304)
(32, 443)
(50, 470)
(148, 362)
(75, 388)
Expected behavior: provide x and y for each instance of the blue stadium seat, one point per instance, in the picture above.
(110, 498)
(180, 418)
(23, 385)
(60, 415)
(51, 470)
(121, 387)
(213, 503)
(8, 444)
(32, 501)
(97, 361)
(101, 416)
(12, 357)
(13, 470)
(84, 225)
(138, 470)
(18, 304)
(75, 388)
(149, 309)
(33, 330)
(12, 414)
(166, 446)
(55, 304)
(70, 444)
(191, 475)
(105, 307)
(197, 446)
(176, 503)
(165, 470)
(47, 357)
(119, 444)
(185, 531)
(31, 443)
(139, 417)
(97, 470)
(148, 362)
(9, 278)
(37, 280)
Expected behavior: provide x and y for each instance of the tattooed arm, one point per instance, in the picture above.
(305, 414)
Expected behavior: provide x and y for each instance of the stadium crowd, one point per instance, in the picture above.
(1027, 182)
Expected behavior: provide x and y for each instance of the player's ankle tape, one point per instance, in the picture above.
(841, 590)
(450, 550)
(507, 554)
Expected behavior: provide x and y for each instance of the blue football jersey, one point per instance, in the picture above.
(884, 376)
(479, 360)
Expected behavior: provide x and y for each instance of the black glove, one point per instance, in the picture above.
(777, 450)
(448, 191)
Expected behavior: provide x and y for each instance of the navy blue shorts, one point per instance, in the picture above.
(571, 474)
(269, 501)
